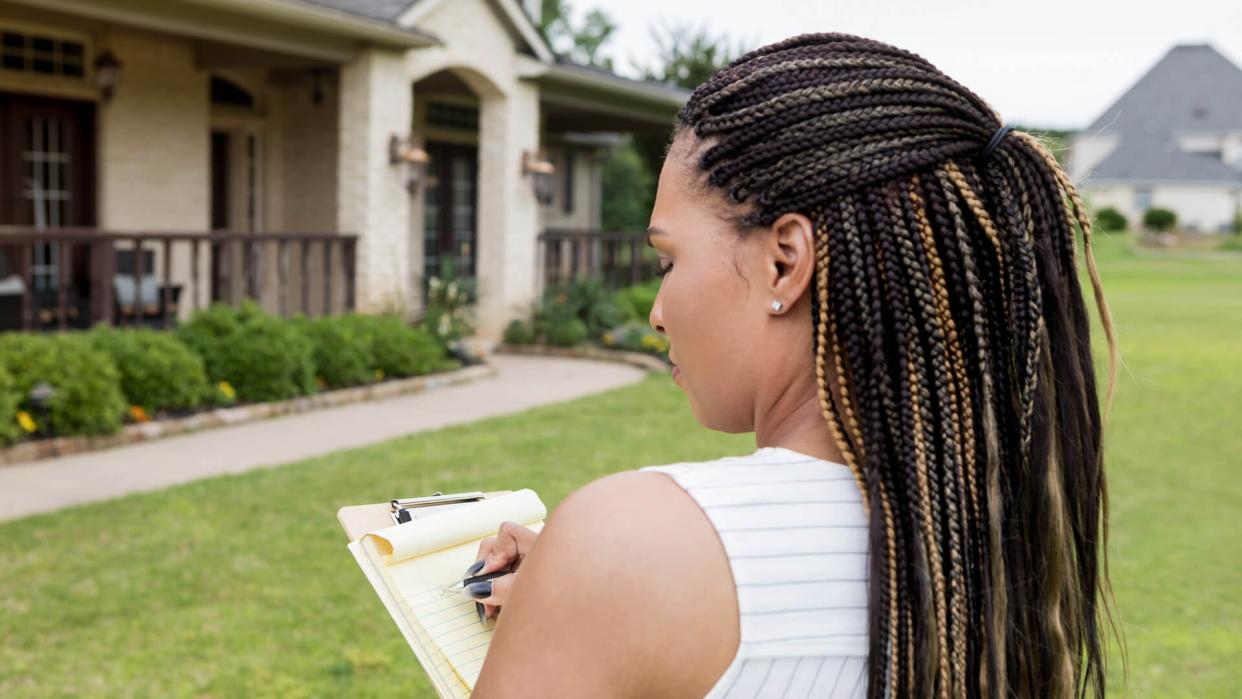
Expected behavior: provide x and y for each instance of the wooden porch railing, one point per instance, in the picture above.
(617, 258)
(69, 277)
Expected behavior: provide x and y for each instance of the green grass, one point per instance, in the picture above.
(241, 585)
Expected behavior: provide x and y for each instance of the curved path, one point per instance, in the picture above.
(521, 382)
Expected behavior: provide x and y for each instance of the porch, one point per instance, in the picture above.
(75, 277)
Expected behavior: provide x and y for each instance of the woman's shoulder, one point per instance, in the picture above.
(672, 576)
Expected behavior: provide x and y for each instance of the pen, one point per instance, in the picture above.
(459, 587)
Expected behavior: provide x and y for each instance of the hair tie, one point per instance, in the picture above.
(996, 139)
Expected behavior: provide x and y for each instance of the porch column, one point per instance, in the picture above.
(508, 214)
(375, 102)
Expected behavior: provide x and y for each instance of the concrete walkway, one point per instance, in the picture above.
(521, 382)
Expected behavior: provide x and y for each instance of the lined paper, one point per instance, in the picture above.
(409, 564)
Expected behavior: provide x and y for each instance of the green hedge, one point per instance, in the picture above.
(585, 310)
(86, 384)
(400, 350)
(262, 357)
(342, 350)
(158, 371)
(96, 375)
(9, 400)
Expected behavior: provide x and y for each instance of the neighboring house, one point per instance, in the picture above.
(1173, 141)
(314, 154)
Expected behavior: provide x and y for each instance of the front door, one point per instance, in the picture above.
(450, 198)
(46, 181)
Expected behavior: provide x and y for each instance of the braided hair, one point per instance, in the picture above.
(946, 288)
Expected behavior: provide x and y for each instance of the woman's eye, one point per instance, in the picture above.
(665, 270)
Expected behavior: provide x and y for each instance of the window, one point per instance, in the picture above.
(1142, 200)
(449, 115)
(25, 52)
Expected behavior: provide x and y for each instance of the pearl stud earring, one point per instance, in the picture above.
(776, 305)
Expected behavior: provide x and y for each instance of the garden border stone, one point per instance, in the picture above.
(220, 417)
(638, 359)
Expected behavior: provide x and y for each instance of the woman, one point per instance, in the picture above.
(865, 267)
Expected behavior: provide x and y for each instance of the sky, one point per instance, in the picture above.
(1051, 64)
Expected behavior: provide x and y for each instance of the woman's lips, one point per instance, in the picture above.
(676, 372)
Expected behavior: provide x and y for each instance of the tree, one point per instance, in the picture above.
(629, 187)
(581, 44)
(685, 56)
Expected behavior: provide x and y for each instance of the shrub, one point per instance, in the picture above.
(565, 331)
(1159, 220)
(588, 301)
(157, 370)
(86, 386)
(449, 312)
(9, 400)
(519, 332)
(1110, 220)
(397, 349)
(263, 358)
(637, 336)
(341, 349)
(636, 301)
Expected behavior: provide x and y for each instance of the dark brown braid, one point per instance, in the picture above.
(964, 400)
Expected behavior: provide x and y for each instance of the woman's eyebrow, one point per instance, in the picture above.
(652, 230)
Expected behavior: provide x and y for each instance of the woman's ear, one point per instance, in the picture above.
(790, 261)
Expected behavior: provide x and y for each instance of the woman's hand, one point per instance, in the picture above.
(507, 549)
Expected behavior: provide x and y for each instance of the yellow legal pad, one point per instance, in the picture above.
(409, 563)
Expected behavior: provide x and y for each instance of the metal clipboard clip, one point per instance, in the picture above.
(399, 508)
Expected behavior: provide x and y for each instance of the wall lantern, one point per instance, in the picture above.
(403, 150)
(541, 172)
(107, 74)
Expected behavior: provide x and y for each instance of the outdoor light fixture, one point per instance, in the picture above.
(403, 150)
(541, 172)
(107, 74)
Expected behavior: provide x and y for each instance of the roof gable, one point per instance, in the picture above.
(509, 12)
(1192, 88)
(382, 10)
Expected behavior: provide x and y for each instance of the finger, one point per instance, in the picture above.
(492, 592)
(512, 543)
(485, 548)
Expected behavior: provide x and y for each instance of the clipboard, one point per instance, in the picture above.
(357, 520)
(452, 646)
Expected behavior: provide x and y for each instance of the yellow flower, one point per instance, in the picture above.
(139, 415)
(651, 341)
(27, 423)
(609, 339)
(379, 374)
(321, 382)
(227, 390)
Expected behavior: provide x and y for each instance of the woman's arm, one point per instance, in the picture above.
(618, 598)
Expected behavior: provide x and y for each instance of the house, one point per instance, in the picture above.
(317, 155)
(1173, 140)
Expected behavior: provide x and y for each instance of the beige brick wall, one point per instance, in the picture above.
(508, 217)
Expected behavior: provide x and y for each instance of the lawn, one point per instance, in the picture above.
(241, 585)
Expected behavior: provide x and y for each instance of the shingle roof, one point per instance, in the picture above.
(382, 10)
(1142, 156)
(1193, 87)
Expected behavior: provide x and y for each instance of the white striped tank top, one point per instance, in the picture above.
(795, 531)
